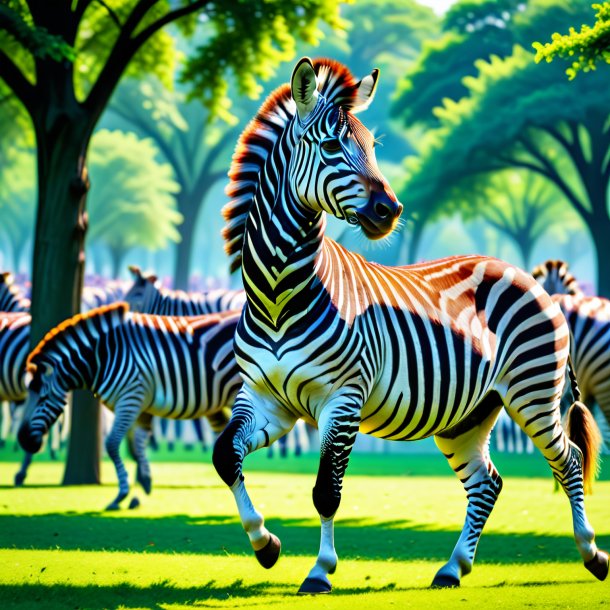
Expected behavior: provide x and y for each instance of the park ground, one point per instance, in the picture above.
(184, 547)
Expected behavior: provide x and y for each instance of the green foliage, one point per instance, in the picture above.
(589, 45)
(249, 39)
(131, 202)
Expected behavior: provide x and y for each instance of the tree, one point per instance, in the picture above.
(62, 61)
(198, 152)
(589, 46)
(132, 197)
(519, 205)
(553, 128)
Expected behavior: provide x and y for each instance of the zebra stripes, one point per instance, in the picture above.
(403, 353)
(11, 297)
(146, 296)
(555, 278)
(139, 365)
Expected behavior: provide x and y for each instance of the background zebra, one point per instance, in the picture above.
(403, 353)
(12, 298)
(139, 365)
(147, 296)
(589, 320)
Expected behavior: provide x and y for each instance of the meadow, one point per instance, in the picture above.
(184, 547)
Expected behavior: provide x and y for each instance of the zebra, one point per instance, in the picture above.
(12, 297)
(146, 296)
(402, 353)
(139, 365)
(555, 277)
(589, 320)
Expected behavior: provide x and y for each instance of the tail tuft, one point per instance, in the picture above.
(584, 433)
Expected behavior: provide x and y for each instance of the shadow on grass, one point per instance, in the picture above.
(209, 595)
(222, 535)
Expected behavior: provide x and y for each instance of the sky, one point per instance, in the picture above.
(439, 6)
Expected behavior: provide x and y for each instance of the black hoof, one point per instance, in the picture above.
(444, 581)
(113, 506)
(19, 479)
(315, 586)
(145, 481)
(598, 566)
(134, 503)
(269, 554)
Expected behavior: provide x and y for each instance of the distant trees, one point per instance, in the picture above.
(523, 116)
(131, 202)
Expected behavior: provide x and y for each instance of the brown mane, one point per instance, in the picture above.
(121, 308)
(335, 83)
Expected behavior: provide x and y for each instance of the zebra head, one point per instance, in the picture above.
(45, 403)
(555, 277)
(333, 167)
(142, 291)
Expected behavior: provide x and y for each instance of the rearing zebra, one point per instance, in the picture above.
(139, 365)
(403, 353)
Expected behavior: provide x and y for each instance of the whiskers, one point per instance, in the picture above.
(385, 243)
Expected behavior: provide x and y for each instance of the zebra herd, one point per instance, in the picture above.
(320, 334)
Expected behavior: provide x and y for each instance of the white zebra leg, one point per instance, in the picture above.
(124, 417)
(338, 425)
(468, 456)
(250, 429)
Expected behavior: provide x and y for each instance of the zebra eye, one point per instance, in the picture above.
(332, 145)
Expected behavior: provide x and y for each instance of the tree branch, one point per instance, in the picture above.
(112, 13)
(16, 81)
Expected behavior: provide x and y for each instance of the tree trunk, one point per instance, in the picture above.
(600, 232)
(117, 255)
(59, 264)
(189, 205)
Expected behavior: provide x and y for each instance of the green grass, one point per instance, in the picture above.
(184, 547)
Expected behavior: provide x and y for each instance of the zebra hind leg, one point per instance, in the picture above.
(468, 456)
(123, 420)
(542, 423)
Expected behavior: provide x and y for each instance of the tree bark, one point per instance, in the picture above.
(59, 264)
(600, 233)
(189, 206)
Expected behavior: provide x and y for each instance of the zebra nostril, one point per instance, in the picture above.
(382, 210)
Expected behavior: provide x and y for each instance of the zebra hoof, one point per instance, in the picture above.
(19, 479)
(315, 586)
(269, 554)
(445, 581)
(145, 481)
(113, 506)
(134, 503)
(598, 566)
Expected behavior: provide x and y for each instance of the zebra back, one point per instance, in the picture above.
(555, 278)
(11, 296)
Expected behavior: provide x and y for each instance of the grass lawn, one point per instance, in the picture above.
(184, 547)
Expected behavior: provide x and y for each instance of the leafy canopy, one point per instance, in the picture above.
(589, 45)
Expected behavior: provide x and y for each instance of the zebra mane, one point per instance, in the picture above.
(338, 86)
(557, 271)
(108, 312)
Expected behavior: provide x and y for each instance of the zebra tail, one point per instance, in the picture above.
(582, 430)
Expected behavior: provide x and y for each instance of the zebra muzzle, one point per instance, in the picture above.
(30, 440)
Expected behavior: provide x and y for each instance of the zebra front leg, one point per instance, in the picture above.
(124, 417)
(468, 456)
(253, 425)
(138, 438)
(338, 427)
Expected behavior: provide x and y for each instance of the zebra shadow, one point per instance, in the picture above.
(221, 535)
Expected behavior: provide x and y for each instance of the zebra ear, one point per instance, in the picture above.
(135, 271)
(151, 277)
(365, 92)
(304, 87)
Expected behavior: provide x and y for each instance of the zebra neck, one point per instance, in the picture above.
(281, 247)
